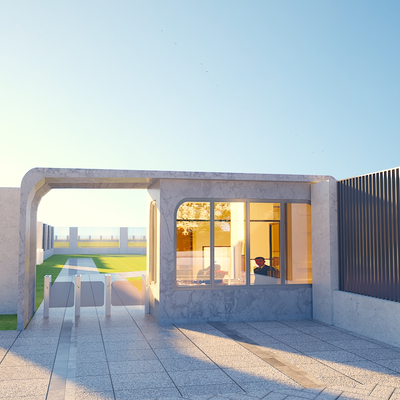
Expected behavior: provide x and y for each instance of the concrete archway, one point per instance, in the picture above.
(37, 183)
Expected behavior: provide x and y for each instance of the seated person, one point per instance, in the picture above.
(203, 276)
(264, 269)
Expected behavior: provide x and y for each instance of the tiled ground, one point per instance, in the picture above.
(130, 356)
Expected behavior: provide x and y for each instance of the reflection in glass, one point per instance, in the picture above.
(265, 243)
(298, 244)
(192, 237)
(229, 244)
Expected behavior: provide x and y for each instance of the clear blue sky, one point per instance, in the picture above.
(304, 87)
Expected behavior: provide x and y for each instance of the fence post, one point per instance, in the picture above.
(46, 299)
(145, 292)
(77, 295)
(108, 294)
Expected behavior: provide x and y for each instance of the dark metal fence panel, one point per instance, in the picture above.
(369, 234)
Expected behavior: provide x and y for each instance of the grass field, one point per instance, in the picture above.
(98, 244)
(8, 322)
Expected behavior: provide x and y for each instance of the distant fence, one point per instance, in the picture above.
(72, 240)
(369, 235)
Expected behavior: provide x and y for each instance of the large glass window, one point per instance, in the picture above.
(192, 238)
(229, 244)
(265, 243)
(298, 243)
(223, 243)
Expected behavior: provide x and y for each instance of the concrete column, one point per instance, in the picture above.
(39, 243)
(73, 240)
(45, 237)
(46, 300)
(123, 240)
(108, 294)
(77, 295)
(324, 248)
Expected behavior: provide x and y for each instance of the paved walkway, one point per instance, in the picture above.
(130, 356)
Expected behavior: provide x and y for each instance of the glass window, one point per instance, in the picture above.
(192, 238)
(265, 243)
(229, 244)
(298, 244)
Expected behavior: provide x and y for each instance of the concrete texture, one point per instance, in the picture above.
(39, 181)
(9, 239)
(375, 318)
(130, 356)
(324, 248)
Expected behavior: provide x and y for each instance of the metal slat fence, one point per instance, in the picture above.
(369, 232)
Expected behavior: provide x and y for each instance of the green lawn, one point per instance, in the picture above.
(8, 322)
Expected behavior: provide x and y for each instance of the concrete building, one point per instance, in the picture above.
(206, 233)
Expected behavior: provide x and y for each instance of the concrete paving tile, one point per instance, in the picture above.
(338, 380)
(89, 346)
(329, 394)
(237, 396)
(377, 354)
(319, 370)
(355, 344)
(131, 345)
(93, 383)
(88, 338)
(251, 374)
(203, 377)
(123, 337)
(393, 365)
(296, 358)
(9, 334)
(382, 392)
(183, 352)
(26, 351)
(91, 368)
(90, 395)
(259, 385)
(187, 364)
(147, 394)
(6, 343)
(212, 389)
(314, 346)
(383, 379)
(128, 330)
(302, 393)
(91, 356)
(130, 355)
(335, 356)
(335, 337)
(358, 367)
(45, 360)
(249, 360)
(142, 381)
(170, 343)
(226, 350)
(36, 341)
(275, 396)
(296, 337)
(134, 367)
(24, 371)
(21, 388)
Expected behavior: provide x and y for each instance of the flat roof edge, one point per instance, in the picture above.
(154, 174)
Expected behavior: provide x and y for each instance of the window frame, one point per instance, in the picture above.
(282, 231)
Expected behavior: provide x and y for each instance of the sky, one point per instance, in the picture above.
(297, 87)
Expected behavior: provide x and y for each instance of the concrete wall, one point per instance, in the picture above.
(122, 249)
(9, 239)
(229, 302)
(324, 248)
(374, 318)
